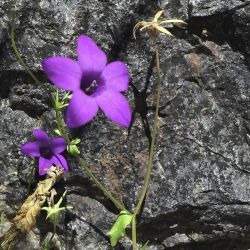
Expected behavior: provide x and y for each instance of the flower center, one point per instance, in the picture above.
(91, 88)
(46, 152)
(89, 84)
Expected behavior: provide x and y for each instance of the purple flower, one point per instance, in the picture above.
(46, 150)
(94, 84)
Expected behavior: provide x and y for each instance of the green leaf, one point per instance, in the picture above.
(117, 231)
(57, 132)
(145, 246)
(73, 150)
(75, 141)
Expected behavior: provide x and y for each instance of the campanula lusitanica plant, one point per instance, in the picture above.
(92, 84)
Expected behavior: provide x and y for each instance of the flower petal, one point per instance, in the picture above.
(30, 149)
(63, 72)
(41, 136)
(163, 30)
(58, 145)
(115, 106)
(116, 76)
(60, 161)
(82, 108)
(157, 15)
(91, 58)
(172, 21)
(44, 165)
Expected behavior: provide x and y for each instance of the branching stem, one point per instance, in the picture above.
(61, 123)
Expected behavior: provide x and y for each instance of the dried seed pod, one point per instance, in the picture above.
(25, 218)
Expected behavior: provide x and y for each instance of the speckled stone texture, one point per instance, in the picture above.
(199, 195)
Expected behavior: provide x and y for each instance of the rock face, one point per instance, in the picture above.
(199, 193)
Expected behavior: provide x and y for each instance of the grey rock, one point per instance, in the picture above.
(199, 193)
(176, 9)
(90, 224)
(205, 8)
(241, 24)
(15, 129)
(29, 99)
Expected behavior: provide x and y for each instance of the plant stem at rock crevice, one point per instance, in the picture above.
(151, 152)
(61, 123)
(134, 232)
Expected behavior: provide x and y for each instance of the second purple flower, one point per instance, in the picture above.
(94, 84)
(46, 150)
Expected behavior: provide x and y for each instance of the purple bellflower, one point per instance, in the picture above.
(47, 151)
(94, 84)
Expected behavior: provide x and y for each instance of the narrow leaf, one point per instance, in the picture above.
(75, 141)
(73, 150)
(145, 246)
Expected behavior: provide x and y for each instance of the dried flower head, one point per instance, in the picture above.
(156, 26)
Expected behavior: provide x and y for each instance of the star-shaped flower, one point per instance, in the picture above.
(47, 150)
(54, 210)
(155, 25)
(94, 84)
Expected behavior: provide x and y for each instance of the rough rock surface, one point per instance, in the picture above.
(199, 195)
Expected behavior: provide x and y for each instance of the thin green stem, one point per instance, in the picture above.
(54, 232)
(48, 244)
(60, 121)
(100, 186)
(16, 51)
(134, 232)
(151, 152)
(19, 58)
(63, 131)
(61, 126)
